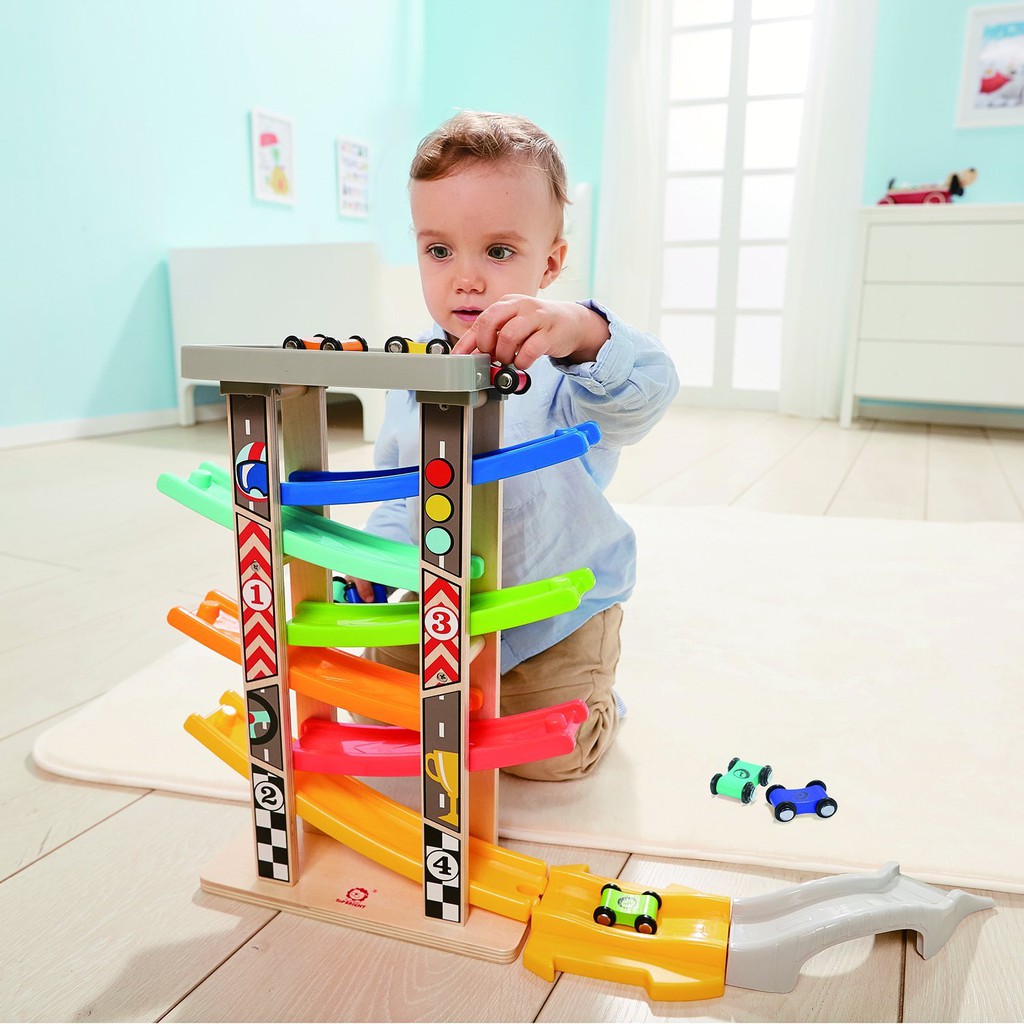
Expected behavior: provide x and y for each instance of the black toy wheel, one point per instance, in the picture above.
(729, 766)
(651, 892)
(439, 346)
(609, 885)
(292, 342)
(714, 783)
(506, 381)
(816, 782)
(361, 340)
(766, 774)
(748, 792)
(826, 808)
(785, 811)
(604, 916)
(645, 925)
(768, 792)
(396, 344)
(330, 345)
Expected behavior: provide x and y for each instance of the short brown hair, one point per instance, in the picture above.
(472, 136)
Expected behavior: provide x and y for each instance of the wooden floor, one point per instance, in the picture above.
(100, 913)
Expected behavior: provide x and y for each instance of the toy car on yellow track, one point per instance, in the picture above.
(638, 911)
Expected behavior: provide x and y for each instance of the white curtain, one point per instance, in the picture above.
(823, 239)
(627, 272)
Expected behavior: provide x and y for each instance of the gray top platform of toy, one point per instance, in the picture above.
(772, 936)
(427, 375)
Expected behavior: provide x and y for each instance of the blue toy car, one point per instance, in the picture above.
(812, 799)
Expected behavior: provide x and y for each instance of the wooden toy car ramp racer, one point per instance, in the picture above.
(685, 959)
(306, 535)
(326, 624)
(370, 823)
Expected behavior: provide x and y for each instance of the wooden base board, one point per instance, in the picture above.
(340, 886)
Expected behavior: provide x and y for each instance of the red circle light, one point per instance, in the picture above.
(439, 473)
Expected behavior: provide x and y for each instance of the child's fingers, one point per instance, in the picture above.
(466, 345)
(491, 323)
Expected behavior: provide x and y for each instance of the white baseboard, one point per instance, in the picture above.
(100, 426)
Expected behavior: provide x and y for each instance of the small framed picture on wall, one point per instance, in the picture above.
(353, 178)
(992, 78)
(273, 160)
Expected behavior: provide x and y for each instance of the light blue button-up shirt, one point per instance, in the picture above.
(555, 519)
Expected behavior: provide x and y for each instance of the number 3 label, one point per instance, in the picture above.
(441, 623)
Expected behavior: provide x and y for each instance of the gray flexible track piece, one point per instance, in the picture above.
(772, 936)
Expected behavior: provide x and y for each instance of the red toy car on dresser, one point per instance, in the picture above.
(954, 185)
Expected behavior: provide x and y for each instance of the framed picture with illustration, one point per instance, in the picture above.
(992, 78)
(273, 162)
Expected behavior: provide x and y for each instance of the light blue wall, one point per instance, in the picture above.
(542, 59)
(126, 134)
(912, 133)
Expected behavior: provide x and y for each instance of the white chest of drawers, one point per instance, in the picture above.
(938, 316)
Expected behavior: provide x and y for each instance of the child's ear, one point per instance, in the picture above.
(556, 260)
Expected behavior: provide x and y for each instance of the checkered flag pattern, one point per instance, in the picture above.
(443, 883)
(272, 859)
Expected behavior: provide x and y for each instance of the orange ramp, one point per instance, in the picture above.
(377, 827)
(335, 677)
(685, 959)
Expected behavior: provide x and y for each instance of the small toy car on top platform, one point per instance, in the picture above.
(741, 780)
(435, 346)
(508, 380)
(326, 343)
(812, 799)
(626, 908)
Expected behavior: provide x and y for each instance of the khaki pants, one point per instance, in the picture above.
(580, 667)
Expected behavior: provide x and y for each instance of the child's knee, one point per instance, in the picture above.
(593, 741)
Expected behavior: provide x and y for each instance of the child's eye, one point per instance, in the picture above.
(438, 251)
(501, 252)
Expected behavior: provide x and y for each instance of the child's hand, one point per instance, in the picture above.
(369, 593)
(519, 329)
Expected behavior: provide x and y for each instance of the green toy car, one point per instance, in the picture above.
(741, 780)
(627, 908)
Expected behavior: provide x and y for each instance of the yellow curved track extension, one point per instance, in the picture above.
(685, 959)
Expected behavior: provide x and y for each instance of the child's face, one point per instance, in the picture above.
(483, 232)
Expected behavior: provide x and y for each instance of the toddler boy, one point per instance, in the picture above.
(487, 193)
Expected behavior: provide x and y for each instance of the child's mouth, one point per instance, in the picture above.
(467, 316)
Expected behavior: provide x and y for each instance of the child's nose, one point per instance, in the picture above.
(468, 278)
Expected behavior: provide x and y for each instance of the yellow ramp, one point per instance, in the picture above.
(685, 959)
(372, 824)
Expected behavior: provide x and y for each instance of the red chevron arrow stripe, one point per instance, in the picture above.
(259, 633)
(441, 663)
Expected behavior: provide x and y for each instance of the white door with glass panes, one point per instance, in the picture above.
(737, 75)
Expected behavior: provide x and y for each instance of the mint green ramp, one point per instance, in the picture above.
(306, 535)
(320, 624)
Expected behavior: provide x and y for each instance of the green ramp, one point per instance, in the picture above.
(308, 536)
(321, 624)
